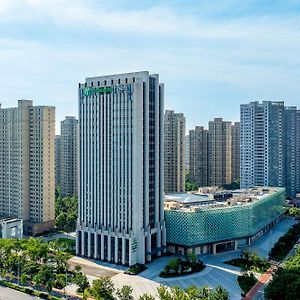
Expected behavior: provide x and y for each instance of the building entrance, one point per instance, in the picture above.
(226, 246)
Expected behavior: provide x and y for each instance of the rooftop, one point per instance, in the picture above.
(198, 201)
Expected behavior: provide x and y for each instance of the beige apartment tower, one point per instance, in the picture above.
(198, 156)
(219, 152)
(174, 152)
(235, 151)
(27, 165)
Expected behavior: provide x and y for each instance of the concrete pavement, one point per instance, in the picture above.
(11, 294)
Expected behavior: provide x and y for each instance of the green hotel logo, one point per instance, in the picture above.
(88, 91)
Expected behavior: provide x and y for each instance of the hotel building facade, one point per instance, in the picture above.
(121, 216)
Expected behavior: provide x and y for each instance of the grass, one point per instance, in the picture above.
(259, 265)
(250, 261)
(246, 282)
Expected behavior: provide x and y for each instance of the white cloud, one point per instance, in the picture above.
(245, 57)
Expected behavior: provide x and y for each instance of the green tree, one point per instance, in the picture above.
(221, 294)
(125, 293)
(103, 289)
(60, 281)
(174, 264)
(146, 297)
(81, 280)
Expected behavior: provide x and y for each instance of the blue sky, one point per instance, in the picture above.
(211, 55)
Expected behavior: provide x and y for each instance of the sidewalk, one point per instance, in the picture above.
(263, 280)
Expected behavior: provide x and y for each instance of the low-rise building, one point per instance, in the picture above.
(11, 228)
(203, 223)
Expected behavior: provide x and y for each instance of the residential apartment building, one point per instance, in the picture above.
(174, 152)
(235, 151)
(219, 136)
(121, 217)
(57, 160)
(269, 145)
(198, 156)
(27, 165)
(69, 156)
(187, 154)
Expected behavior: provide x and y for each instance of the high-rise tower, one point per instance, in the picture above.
(270, 134)
(174, 152)
(219, 136)
(69, 156)
(27, 179)
(121, 217)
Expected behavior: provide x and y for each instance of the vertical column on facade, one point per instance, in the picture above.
(88, 159)
(129, 175)
(130, 252)
(157, 154)
(101, 159)
(78, 232)
(102, 247)
(146, 150)
(121, 152)
(126, 158)
(118, 160)
(158, 239)
(123, 250)
(89, 244)
(148, 245)
(214, 246)
(164, 237)
(109, 247)
(116, 249)
(98, 162)
(105, 142)
(82, 242)
(81, 135)
(95, 244)
(93, 162)
(115, 186)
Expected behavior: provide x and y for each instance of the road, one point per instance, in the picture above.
(10, 294)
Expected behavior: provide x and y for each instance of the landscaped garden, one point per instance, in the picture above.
(246, 281)
(285, 243)
(38, 267)
(285, 284)
(179, 267)
(135, 269)
(250, 262)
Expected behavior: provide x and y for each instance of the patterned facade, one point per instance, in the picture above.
(207, 226)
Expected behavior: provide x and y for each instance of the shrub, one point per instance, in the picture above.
(246, 282)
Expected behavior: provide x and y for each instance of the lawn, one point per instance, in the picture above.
(250, 262)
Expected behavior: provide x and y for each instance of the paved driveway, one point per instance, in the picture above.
(264, 244)
(10, 294)
(216, 273)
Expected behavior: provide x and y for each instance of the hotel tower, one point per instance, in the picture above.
(121, 217)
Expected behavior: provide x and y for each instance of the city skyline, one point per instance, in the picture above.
(218, 54)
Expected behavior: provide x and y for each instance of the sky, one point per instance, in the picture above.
(212, 55)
